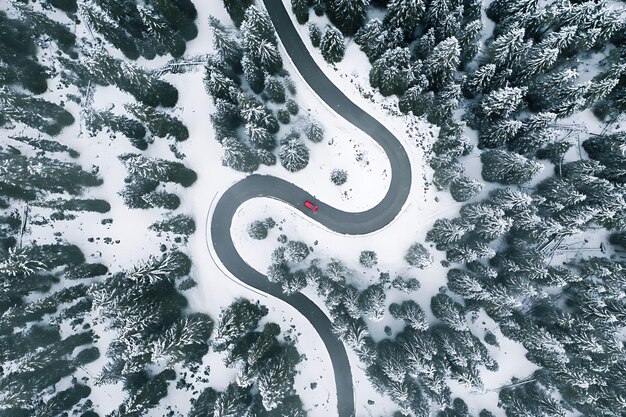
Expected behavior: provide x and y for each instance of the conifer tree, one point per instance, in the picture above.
(372, 301)
(393, 72)
(411, 313)
(300, 9)
(238, 156)
(508, 168)
(417, 255)
(332, 45)
(404, 14)
(159, 123)
(347, 15)
(442, 62)
(294, 155)
(465, 188)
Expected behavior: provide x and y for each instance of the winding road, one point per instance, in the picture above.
(337, 220)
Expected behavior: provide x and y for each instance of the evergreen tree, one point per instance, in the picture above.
(314, 132)
(372, 301)
(296, 251)
(339, 176)
(238, 156)
(442, 62)
(507, 168)
(35, 112)
(368, 258)
(275, 90)
(503, 102)
(315, 34)
(236, 9)
(465, 188)
(404, 14)
(235, 321)
(332, 45)
(445, 233)
(300, 9)
(275, 381)
(411, 313)
(417, 255)
(347, 15)
(294, 155)
(449, 312)
(24, 178)
(393, 72)
(228, 49)
(159, 123)
(158, 169)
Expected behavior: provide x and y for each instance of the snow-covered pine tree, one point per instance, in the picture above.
(275, 381)
(294, 155)
(368, 258)
(442, 62)
(404, 14)
(393, 72)
(238, 156)
(347, 15)
(503, 102)
(418, 256)
(259, 137)
(159, 123)
(228, 49)
(300, 9)
(236, 9)
(449, 312)
(411, 313)
(332, 45)
(372, 301)
(235, 321)
(314, 131)
(465, 188)
(446, 233)
(508, 168)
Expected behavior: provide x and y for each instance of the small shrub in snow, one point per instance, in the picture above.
(406, 285)
(368, 258)
(491, 339)
(258, 229)
(314, 132)
(315, 34)
(418, 256)
(282, 238)
(339, 176)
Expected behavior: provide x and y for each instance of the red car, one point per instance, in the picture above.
(310, 206)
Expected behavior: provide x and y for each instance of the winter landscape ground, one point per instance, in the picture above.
(466, 256)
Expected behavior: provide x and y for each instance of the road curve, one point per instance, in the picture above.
(337, 220)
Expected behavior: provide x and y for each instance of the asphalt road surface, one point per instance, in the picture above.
(337, 220)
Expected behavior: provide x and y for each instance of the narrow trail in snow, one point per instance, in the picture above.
(337, 220)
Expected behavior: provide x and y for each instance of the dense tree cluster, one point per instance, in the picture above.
(154, 28)
(35, 353)
(256, 61)
(265, 367)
